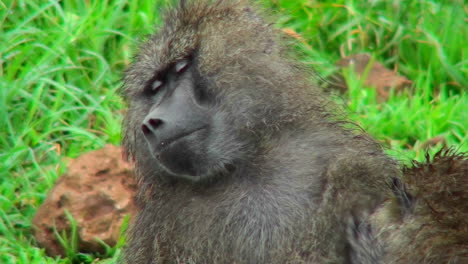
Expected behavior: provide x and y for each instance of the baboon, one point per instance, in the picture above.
(239, 157)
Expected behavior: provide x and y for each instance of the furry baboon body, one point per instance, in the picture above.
(272, 175)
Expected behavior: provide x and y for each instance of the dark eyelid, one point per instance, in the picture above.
(160, 75)
(181, 65)
(156, 85)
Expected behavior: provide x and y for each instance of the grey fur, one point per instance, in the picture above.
(281, 176)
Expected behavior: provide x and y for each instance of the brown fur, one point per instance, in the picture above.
(427, 220)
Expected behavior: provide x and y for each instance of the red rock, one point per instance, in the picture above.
(98, 191)
(377, 76)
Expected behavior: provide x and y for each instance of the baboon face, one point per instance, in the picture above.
(200, 103)
(181, 122)
(178, 124)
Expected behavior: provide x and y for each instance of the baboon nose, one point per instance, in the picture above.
(151, 125)
(155, 122)
(145, 129)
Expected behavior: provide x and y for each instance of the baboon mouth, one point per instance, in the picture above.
(164, 144)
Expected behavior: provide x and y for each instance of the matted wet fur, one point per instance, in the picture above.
(427, 219)
(270, 175)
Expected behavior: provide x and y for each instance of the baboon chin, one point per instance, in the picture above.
(240, 159)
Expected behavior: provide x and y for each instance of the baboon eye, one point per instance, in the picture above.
(181, 66)
(155, 86)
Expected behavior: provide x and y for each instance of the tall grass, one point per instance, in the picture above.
(61, 66)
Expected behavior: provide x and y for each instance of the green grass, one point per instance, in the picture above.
(61, 66)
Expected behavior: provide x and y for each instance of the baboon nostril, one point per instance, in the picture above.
(150, 125)
(155, 123)
(145, 129)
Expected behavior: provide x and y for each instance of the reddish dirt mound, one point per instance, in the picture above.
(98, 192)
(379, 77)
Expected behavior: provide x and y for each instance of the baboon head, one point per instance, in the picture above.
(207, 90)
